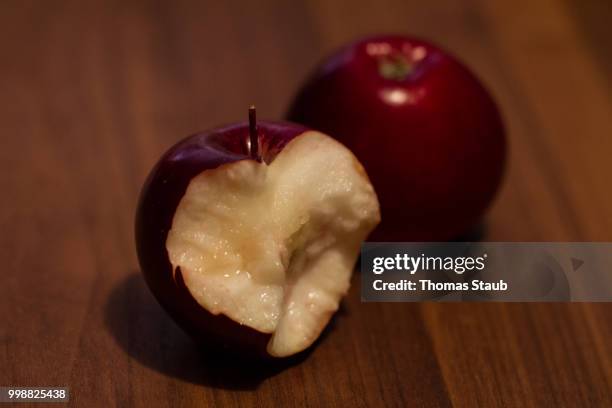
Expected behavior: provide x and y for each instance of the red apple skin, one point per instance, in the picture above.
(432, 142)
(160, 196)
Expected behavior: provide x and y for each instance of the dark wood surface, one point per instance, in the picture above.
(91, 93)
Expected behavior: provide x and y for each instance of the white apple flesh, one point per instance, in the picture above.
(273, 245)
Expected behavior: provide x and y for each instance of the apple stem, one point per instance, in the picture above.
(254, 139)
(395, 67)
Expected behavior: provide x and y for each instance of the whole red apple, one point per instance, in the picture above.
(428, 133)
(248, 234)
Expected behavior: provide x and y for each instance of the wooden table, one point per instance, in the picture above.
(91, 93)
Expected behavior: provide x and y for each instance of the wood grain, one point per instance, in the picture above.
(93, 92)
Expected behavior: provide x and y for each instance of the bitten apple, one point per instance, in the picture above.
(248, 234)
(428, 133)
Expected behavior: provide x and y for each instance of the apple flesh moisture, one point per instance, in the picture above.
(428, 133)
(248, 234)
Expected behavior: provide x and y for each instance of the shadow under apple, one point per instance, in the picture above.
(147, 334)
(477, 233)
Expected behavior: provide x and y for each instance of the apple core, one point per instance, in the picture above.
(273, 245)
